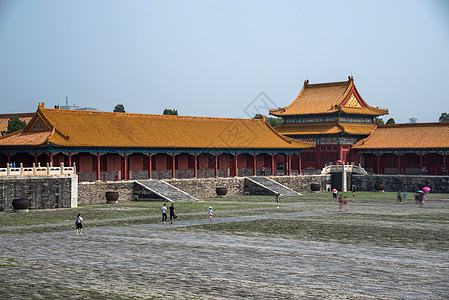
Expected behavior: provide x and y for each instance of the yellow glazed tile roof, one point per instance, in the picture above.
(105, 129)
(327, 98)
(306, 129)
(325, 128)
(407, 136)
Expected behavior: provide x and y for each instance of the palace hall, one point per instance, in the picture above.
(327, 123)
(111, 146)
(344, 128)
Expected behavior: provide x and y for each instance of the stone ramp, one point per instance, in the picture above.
(164, 190)
(270, 186)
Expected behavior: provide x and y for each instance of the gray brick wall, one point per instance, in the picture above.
(409, 183)
(94, 192)
(44, 192)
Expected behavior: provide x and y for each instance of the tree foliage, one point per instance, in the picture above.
(390, 121)
(378, 120)
(119, 108)
(273, 121)
(172, 112)
(444, 117)
(14, 124)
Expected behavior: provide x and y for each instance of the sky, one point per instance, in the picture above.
(227, 58)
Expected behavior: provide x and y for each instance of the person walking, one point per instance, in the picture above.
(211, 212)
(346, 203)
(278, 200)
(353, 190)
(262, 173)
(400, 196)
(79, 224)
(164, 213)
(172, 213)
(340, 203)
(334, 194)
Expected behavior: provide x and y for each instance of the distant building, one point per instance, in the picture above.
(74, 107)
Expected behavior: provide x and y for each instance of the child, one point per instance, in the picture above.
(211, 212)
(278, 199)
(79, 224)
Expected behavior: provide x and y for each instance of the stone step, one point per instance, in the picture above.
(272, 186)
(165, 190)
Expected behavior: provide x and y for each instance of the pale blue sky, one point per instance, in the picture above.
(212, 58)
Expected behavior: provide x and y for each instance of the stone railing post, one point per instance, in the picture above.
(34, 169)
(21, 168)
(74, 168)
(61, 165)
(48, 169)
(8, 170)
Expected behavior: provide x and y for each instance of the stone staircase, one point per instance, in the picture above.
(157, 190)
(261, 185)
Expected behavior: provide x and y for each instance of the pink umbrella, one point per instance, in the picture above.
(426, 189)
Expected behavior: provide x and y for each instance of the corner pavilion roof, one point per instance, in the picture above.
(68, 128)
(407, 136)
(325, 128)
(329, 98)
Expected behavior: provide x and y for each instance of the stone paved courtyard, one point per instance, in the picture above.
(152, 261)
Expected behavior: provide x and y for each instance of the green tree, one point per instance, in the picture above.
(390, 121)
(444, 117)
(119, 108)
(273, 121)
(172, 112)
(378, 120)
(14, 124)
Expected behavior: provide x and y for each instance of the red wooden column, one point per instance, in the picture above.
(299, 163)
(254, 164)
(272, 164)
(172, 165)
(285, 164)
(289, 164)
(50, 158)
(399, 164)
(69, 159)
(98, 165)
(378, 163)
(420, 162)
(216, 164)
(444, 164)
(125, 168)
(340, 153)
(317, 157)
(195, 166)
(236, 164)
(150, 165)
(36, 160)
